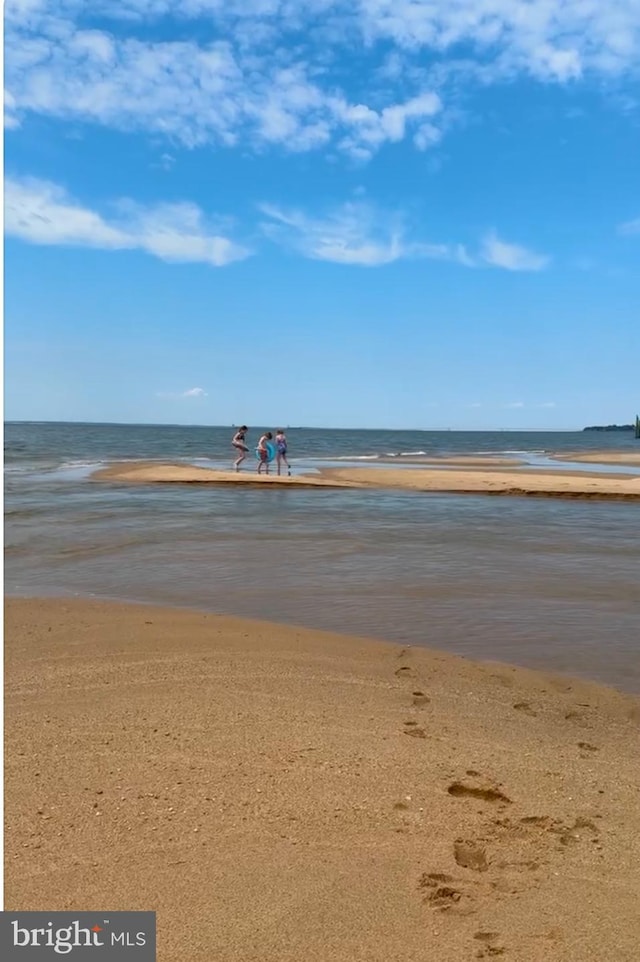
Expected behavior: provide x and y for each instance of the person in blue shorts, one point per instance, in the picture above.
(281, 451)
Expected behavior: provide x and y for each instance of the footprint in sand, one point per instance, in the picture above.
(440, 892)
(420, 699)
(412, 729)
(470, 854)
(405, 672)
(486, 794)
(586, 747)
(525, 708)
(490, 948)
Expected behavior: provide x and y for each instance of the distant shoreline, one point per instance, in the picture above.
(306, 427)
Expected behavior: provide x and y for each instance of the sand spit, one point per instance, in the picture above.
(149, 472)
(501, 481)
(632, 458)
(279, 794)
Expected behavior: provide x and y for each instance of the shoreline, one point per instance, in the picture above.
(448, 479)
(240, 777)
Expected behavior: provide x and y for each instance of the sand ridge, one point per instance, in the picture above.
(471, 480)
(529, 483)
(632, 458)
(150, 472)
(279, 794)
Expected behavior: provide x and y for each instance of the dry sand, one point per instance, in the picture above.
(556, 484)
(500, 481)
(285, 795)
(150, 472)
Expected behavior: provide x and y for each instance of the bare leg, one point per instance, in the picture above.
(282, 459)
(239, 460)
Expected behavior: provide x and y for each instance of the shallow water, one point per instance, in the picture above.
(545, 583)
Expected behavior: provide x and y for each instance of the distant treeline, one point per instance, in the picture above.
(610, 427)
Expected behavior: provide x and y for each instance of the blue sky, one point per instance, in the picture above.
(350, 213)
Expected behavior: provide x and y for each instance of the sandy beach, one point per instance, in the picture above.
(280, 794)
(470, 480)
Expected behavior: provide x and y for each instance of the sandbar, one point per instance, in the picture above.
(632, 458)
(150, 472)
(500, 481)
(530, 483)
(278, 794)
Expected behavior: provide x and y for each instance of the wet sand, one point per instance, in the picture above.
(463, 461)
(500, 481)
(150, 472)
(280, 794)
(632, 458)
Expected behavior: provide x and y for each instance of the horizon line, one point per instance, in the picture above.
(303, 427)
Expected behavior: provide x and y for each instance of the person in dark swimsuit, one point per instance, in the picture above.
(281, 449)
(240, 444)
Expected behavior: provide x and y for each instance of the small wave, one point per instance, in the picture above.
(406, 454)
(354, 457)
(79, 464)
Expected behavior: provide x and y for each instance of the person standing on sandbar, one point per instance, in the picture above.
(240, 444)
(281, 451)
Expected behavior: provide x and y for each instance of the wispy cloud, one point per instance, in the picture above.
(192, 392)
(512, 257)
(521, 404)
(352, 234)
(40, 212)
(359, 233)
(269, 77)
(630, 227)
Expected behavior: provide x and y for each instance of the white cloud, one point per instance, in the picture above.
(631, 227)
(359, 233)
(194, 94)
(275, 74)
(351, 234)
(518, 405)
(40, 212)
(354, 233)
(511, 257)
(193, 392)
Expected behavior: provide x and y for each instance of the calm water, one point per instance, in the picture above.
(550, 584)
